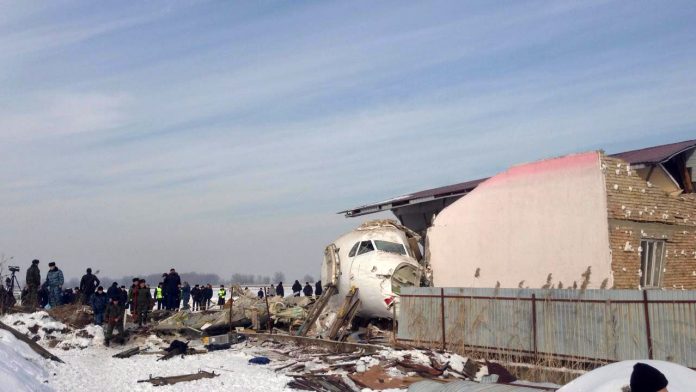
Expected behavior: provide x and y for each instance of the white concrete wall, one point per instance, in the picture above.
(534, 219)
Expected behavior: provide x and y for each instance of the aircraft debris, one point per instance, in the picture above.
(127, 353)
(160, 381)
(176, 347)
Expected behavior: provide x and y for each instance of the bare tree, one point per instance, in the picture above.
(308, 278)
(278, 277)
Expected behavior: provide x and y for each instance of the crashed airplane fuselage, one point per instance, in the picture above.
(379, 258)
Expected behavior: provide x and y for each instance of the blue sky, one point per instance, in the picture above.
(223, 136)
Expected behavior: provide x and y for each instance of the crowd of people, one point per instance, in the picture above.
(297, 290)
(111, 306)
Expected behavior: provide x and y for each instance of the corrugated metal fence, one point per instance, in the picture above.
(581, 325)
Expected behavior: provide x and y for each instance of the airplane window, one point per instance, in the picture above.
(391, 247)
(365, 247)
(353, 250)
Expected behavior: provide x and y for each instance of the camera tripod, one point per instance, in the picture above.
(11, 280)
(7, 299)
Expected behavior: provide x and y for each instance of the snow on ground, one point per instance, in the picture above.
(21, 369)
(93, 369)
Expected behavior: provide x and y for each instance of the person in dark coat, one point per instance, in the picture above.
(171, 287)
(68, 297)
(204, 297)
(54, 283)
(142, 299)
(208, 296)
(196, 297)
(33, 285)
(134, 284)
(186, 295)
(280, 291)
(43, 295)
(318, 289)
(308, 291)
(164, 291)
(88, 284)
(123, 299)
(296, 288)
(260, 293)
(99, 301)
(114, 319)
(113, 291)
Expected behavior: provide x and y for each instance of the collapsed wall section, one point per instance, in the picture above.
(529, 222)
(640, 213)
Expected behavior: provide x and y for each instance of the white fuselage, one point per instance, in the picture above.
(368, 259)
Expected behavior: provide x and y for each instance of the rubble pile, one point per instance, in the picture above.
(43, 328)
(75, 315)
(319, 368)
(247, 311)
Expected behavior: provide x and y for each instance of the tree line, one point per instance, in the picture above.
(197, 278)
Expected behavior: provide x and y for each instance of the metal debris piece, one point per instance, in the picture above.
(127, 353)
(377, 378)
(160, 381)
(345, 315)
(317, 309)
(327, 383)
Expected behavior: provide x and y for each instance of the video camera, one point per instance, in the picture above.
(13, 268)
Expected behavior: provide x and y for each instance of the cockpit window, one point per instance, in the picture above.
(353, 250)
(391, 247)
(365, 247)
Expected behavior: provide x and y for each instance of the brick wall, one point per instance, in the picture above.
(636, 211)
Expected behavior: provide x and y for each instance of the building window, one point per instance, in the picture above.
(651, 262)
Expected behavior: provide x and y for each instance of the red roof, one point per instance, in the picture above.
(650, 155)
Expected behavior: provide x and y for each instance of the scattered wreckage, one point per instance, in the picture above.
(346, 363)
(171, 380)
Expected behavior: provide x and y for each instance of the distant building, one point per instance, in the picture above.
(629, 217)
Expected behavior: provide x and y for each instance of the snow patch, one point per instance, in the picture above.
(364, 363)
(20, 368)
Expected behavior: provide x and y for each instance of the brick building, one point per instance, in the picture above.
(593, 220)
(652, 223)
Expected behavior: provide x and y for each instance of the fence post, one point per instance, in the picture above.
(647, 324)
(442, 317)
(534, 327)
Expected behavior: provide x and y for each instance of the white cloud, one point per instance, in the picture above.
(50, 114)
